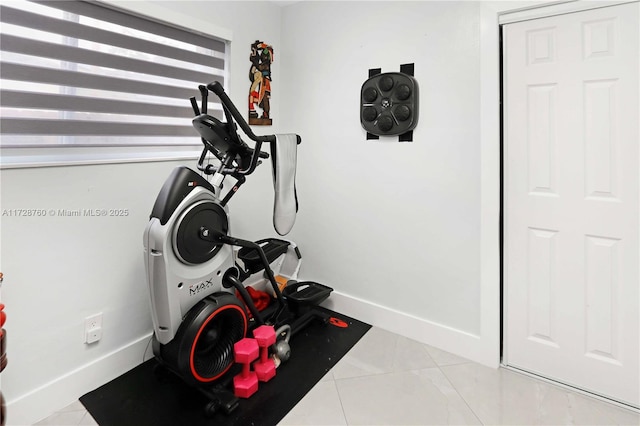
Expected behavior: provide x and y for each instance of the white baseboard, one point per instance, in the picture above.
(446, 338)
(51, 397)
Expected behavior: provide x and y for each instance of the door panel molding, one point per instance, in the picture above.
(571, 280)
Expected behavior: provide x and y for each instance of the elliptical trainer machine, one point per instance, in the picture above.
(194, 272)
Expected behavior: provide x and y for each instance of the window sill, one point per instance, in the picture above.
(18, 158)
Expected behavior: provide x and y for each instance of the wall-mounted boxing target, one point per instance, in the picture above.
(389, 105)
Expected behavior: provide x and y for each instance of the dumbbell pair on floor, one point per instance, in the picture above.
(248, 350)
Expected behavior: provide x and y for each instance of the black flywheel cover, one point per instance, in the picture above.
(211, 352)
(202, 350)
(189, 245)
(207, 335)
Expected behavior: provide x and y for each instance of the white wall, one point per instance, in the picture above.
(58, 270)
(408, 234)
(392, 226)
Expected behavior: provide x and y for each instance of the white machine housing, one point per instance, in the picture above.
(176, 286)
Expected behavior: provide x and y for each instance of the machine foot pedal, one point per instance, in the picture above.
(272, 247)
(303, 295)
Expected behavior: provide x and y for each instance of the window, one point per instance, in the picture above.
(78, 74)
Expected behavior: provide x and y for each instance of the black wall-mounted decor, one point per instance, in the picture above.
(389, 104)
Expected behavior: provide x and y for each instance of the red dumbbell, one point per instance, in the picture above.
(3, 339)
(265, 368)
(245, 384)
(3, 357)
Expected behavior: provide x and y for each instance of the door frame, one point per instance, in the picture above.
(491, 48)
(492, 14)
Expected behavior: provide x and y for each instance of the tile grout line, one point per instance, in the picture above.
(458, 392)
(344, 414)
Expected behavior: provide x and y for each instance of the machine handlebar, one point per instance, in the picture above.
(217, 88)
(222, 139)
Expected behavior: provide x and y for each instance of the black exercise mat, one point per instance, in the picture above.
(139, 398)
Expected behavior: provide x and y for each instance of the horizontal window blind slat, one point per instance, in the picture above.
(109, 15)
(84, 73)
(11, 71)
(79, 31)
(66, 141)
(84, 56)
(11, 98)
(79, 127)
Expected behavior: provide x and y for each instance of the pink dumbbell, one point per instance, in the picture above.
(265, 368)
(245, 384)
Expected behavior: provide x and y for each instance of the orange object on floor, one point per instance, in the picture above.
(282, 281)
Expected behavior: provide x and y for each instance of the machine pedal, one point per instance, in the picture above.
(273, 248)
(303, 295)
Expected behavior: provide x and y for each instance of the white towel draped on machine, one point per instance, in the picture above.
(284, 154)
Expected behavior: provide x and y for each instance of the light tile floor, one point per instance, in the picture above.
(387, 379)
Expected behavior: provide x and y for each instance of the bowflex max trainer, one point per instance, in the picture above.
(195, 274)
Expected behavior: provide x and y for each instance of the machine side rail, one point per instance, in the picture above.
(219, 237)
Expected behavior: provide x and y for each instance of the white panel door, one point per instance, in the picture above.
(571, 199)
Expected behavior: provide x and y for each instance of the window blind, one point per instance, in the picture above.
(78, 73)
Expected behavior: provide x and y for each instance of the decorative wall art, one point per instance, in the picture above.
(260, 76)
(389, 104)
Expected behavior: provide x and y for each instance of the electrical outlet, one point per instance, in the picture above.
(93, 335)
(93, 321)
(93, 328)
